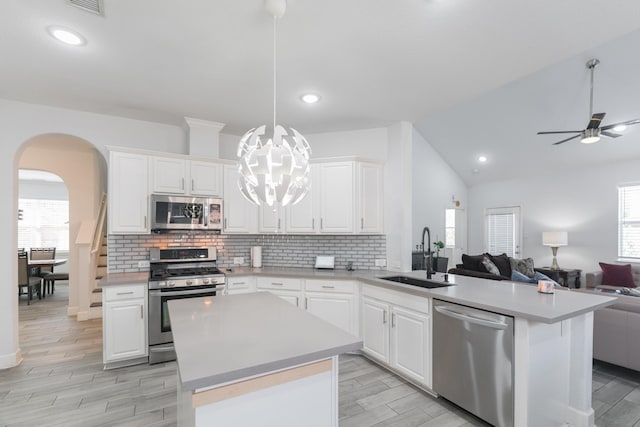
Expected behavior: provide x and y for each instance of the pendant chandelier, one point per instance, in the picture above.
(274, 163)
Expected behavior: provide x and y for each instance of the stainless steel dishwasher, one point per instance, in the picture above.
(473, 360)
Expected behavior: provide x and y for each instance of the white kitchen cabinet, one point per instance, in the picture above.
(186, 177)
(125, 325)
(375, 329)
(396, 330)
(303, 216)
(337, 197)
(240, 215)
(336, 309)
(168, 175)
(287, 288)
(411, 353)
(128, 211)
(241, 285)
(370, 210)
(270, 219)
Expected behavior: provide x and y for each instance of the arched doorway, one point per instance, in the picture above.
(83, 169)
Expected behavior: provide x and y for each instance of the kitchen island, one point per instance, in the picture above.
(254, 359)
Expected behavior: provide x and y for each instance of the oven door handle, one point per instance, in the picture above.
(159, 293)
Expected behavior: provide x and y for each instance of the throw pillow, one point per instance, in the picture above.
(490, 266)
(503, 264)
(524, 266)
(617, 275)
(473, 262)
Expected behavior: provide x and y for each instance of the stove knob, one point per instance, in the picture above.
(206, 281)
(189, 282)
(171, 284)
(162, 284)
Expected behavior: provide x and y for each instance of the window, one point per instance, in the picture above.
(450, 228)
(503, 231)
(629, 222)
(44, 223)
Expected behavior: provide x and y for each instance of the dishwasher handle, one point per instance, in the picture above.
(471, 319)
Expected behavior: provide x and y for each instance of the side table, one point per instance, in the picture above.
(569, 278)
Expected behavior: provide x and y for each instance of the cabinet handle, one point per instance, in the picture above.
(183, 183)
(306, 303)
(145, 221)
(237, 283)
(225, 223)
(328, 287)
(141, 312)
(393, 320)
(277, 284)
(361, 223)
(278, 223)
(321, 224)
(124, 293)
(192, 184)
(384, 317)
(297, 301)
(313, 224)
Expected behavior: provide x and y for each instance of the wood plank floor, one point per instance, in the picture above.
(61, 383)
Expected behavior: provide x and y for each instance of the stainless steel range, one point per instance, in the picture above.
(177, 273)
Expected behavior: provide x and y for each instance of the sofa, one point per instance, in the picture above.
(475, 266)
(616, 328)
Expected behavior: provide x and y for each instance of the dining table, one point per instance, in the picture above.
(46, 262)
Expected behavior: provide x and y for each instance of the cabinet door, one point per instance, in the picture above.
(302, 217)
(292, 297)
(206, 178)
(334, 308)
(125, 330)
(240, 215)
(128, 193)
(270, 219)
(375, 329)
(370, 191)
(168, 175)
(336, 197)
(410, 332)
(241, 285)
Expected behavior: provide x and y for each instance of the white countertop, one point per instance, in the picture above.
(224, 339)
(111, 279)
(505, 297)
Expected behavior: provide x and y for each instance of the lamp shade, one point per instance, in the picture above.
(555, 238)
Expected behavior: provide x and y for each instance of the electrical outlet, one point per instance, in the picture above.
(238, 260)
(143, 264)
(381, 262)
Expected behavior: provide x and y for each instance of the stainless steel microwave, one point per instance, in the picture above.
(185, 213)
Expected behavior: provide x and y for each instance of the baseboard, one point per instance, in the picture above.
(72, 311)
(579, 418)
(95, 313)
(10, 360)
(82, 316)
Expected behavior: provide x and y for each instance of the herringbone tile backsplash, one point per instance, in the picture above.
(278, 250)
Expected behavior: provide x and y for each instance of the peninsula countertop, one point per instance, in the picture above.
(505, 297)
(225, 339)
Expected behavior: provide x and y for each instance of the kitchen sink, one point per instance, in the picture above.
(430, 284)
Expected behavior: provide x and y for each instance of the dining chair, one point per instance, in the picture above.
(38, 254)
(25, 281)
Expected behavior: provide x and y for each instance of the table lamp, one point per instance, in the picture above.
(555, 239)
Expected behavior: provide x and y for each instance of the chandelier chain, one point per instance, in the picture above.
(275, 29)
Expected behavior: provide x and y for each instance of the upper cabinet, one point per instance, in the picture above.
(186, 177)
(337, 202)
(369, 190)
(240, 215)
(128, 211)
(303, 216)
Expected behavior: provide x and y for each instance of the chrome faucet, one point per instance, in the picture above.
(426, 252)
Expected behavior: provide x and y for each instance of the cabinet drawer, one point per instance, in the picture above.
(117, 293)
(342, 286)
(279, 283)
(241, 283)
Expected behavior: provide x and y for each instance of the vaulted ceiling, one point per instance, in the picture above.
(474, 75)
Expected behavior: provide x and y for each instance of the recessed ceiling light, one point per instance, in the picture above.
(620, 128)
(66, 36)
(482, 159)
(310, 98)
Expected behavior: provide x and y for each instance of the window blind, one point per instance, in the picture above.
(44, 223)
(629, 222)
(501, 233)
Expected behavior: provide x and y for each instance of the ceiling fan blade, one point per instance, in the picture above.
(560, 131)
(565, 140)
(595, 121)
(627, 123)
(609, 134)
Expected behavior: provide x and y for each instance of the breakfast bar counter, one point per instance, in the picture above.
(254, 359)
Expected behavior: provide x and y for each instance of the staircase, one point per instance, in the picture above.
(101, 270)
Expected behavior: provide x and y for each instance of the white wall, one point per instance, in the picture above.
(35, 189)
(434, 185)
(582, 202)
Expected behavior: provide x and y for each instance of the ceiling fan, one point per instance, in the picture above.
(593, 131)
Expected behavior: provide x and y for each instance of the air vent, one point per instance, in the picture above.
(95, 6)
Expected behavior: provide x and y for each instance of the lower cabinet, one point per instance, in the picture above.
(289, 289)
(336, 309)
(124, 324)
(241, 285)
(396, 330)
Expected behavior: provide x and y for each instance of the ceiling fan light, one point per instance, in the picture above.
(589, 136)
(619, 128)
